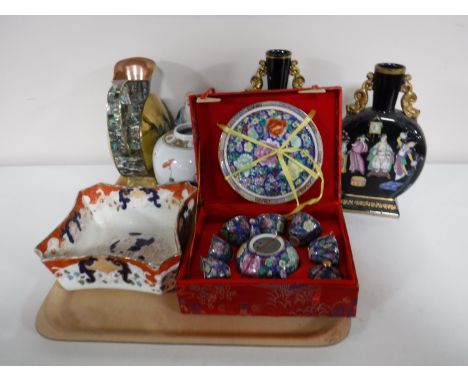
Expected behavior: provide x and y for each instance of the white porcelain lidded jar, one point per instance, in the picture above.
(173, 156)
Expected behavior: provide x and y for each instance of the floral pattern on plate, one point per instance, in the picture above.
(271, 123)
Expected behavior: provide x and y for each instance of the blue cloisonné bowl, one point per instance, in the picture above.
(267, 256)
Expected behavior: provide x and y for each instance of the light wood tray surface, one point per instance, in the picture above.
(121, 316)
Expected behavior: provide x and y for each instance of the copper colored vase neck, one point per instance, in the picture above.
(134, 69)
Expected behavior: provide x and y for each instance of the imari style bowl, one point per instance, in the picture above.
(121, 238)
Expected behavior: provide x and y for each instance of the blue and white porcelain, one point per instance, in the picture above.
(267, 256)
(271, 123)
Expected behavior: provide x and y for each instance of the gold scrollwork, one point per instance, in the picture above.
(298, 79)
(256, 82)
(408, 99)
(361, 96)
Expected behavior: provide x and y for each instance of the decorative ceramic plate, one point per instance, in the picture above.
(270, 122)
(121, 238)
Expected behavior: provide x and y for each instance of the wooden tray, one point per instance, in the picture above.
(124, 316)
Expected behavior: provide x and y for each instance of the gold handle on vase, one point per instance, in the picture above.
(256, 82)
(298, 79)
(408, 99)
(361, 96)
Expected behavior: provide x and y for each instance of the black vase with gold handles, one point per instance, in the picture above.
(277, 67)
(383, 149)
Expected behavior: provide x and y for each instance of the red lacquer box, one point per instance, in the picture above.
(218, 202)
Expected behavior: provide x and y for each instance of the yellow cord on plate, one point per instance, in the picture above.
(283, 152)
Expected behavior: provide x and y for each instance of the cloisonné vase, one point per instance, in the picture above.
(383, 149)
(136, 118)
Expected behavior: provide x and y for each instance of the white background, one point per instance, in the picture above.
(54, 77)
(55, 71)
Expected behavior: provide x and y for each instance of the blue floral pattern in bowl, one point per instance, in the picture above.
(271, 123)
(267, 256)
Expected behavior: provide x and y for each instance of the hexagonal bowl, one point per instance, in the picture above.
(118, 237)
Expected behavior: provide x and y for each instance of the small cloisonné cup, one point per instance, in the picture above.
(324, 248)
(254, 227)
(237, 230)
(215, 269)
(219, 250)
(271, 223)
(326, 270)
(303, 229)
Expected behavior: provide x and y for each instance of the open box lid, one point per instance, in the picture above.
(219, 108)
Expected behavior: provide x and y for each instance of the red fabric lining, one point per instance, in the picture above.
(210, 220)
(206, 116)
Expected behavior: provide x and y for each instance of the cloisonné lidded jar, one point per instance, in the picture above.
(383, 149)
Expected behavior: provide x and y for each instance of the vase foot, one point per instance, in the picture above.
(370, 205)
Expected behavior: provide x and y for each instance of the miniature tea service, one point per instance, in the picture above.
(264, 253)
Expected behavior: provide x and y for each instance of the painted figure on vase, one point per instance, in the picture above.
(357, 148)
(405, 150)
(380, 158)
(392, 163)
